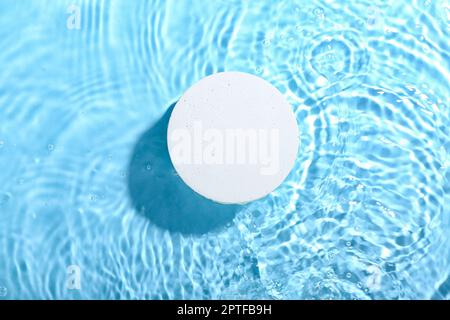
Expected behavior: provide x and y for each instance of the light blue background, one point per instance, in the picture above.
(363, 215)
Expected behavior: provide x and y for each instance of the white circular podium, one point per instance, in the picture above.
(233, 137)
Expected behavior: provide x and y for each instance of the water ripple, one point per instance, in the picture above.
(363, 214)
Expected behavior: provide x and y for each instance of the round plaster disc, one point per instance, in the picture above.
(233, 137)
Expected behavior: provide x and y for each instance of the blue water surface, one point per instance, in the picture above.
(86, 188)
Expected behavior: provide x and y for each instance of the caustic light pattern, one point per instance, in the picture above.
(90, 207)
